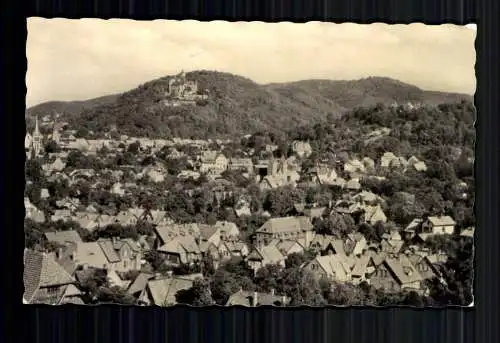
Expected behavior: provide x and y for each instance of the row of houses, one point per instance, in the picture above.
(349, 260)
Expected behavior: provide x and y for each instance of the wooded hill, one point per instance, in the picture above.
(236, 105)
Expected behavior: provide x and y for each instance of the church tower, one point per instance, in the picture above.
(37, 139)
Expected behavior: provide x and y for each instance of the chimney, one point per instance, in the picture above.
(255, 299)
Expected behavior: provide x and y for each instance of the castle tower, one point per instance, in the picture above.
(37, 139)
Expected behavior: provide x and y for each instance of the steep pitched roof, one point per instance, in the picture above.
(322, 241)
(207, 231)
(360, 267)
(109, 250)
(404, 271)
(40, 271)
(227, 227)
(268, 254)
(139, 283)
(338, 246)
(334, 265)
(163, 291)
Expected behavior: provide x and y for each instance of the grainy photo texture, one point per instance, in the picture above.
(201, 163)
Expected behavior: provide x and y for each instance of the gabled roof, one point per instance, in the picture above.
(268, 254)
(334, 265)
(178, 244)
(164, 291)
(441, 221)
(360, 267)
(322, 240)
(286, 245)
(40, 271)
(337, 245)
(286, 224)
(119, 243)
(226, 227)
(207, 231)
(63, 237)
(374, 213)
(415, 224)
(404, 271)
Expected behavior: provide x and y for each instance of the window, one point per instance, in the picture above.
(124, 263)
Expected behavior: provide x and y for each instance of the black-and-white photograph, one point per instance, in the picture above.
(249, 163)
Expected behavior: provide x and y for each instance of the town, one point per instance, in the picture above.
(251, 221)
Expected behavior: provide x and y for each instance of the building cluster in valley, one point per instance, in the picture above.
(397, 262)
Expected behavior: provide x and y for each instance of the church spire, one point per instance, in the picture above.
(37, 129)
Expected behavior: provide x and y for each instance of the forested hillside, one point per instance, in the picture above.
(236, 105)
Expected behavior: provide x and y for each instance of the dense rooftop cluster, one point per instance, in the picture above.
(374, 208)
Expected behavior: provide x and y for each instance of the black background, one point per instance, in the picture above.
(184, 324)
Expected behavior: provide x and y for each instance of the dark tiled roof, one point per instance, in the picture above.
(40, 272)
(109, 251)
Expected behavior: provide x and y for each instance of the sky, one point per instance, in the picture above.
(79, 59)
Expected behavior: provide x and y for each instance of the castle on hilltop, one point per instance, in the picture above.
(180, 88)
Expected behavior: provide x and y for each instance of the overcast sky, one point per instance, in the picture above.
(86, 58)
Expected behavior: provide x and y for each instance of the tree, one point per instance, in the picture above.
(345, 294)
(82, 132)
(268, 277)
(51, 147)
(229, 278)
(279, 202)
(114, 295)
(33, 170)
(302, 287)
(198, 295)
(295, 260)
(134, 147)
(93, 281)
(338, 224)
(148, 161)
(74, 159)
